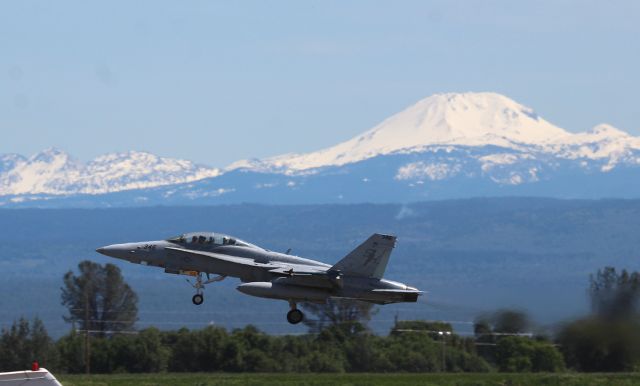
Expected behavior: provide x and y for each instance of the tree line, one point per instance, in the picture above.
(338, 338)
(411, 346)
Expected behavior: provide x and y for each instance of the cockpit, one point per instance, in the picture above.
(207, 239)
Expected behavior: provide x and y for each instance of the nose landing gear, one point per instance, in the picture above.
(294, 316)
(198, 298)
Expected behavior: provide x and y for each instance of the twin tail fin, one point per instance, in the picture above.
(369, 259)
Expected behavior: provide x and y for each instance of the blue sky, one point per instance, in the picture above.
(220, 81)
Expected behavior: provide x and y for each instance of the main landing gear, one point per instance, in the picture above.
(294, 316)
(198, 298)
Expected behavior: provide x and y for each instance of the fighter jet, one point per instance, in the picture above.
(270, 274)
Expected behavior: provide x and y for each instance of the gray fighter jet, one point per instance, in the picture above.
(271, 274)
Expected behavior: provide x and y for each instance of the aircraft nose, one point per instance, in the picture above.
(127, 251)
(120, 251)
(107, 250)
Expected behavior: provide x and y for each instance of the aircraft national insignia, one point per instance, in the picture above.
(370, 255)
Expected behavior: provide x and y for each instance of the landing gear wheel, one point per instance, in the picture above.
(197, 299)
(295, 316)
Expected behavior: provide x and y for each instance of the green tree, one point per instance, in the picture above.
(613, 294)
(209, 343)
(459, 353)
(520, 354)
(600, 344)
(184, 350)
(491, 327)
(609, 339)
(293, 352)
(70, 349)
(255, 349)
(414, 352)
(347, 313)
(24, 343)
(42, 346)
(509, 322)
(99, 299)
(140, 353)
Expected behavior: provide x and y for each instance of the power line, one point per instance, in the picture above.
(107, 332)
(526, 334)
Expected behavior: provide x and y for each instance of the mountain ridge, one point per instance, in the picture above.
(53, 171)
(479, 143)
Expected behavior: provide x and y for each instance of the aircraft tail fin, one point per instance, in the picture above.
(370, 258)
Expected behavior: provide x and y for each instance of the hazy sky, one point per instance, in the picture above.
(216, 82)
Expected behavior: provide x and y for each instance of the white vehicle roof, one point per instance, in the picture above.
(41, 377)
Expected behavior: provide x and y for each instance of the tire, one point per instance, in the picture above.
(197, 299)
(295, 316)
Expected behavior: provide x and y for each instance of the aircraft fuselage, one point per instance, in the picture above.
(270, 274)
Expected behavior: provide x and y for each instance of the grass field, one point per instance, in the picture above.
(210, 379)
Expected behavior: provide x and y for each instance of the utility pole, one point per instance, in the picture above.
(444, 334)
(87, 344)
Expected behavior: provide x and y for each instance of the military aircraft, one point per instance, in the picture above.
(270, 274)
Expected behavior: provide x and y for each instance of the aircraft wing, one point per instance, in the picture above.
(284, 269)
(189, 259)
(283, 273)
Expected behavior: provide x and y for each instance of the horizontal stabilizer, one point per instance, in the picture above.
(402, 295)
(397, 291)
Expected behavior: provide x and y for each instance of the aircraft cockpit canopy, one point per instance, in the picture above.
(207, 238)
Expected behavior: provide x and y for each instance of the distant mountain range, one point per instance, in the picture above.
(451, 145)
(54, 172)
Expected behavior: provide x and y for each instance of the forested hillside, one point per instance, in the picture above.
(469, 255)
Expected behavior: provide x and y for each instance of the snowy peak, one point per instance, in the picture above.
(600, 136)
(52, 171)
(459, 118)
(137, 161)
(9, 161)
(468, 119)
(605, 131)
(51, 159)
(39, 173)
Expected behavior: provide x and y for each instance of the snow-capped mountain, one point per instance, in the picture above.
(469, 119)
(54, 172)
(445, 146)
(461, 120)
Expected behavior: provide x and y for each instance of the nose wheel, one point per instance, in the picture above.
(197, 299)
(294, 316)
